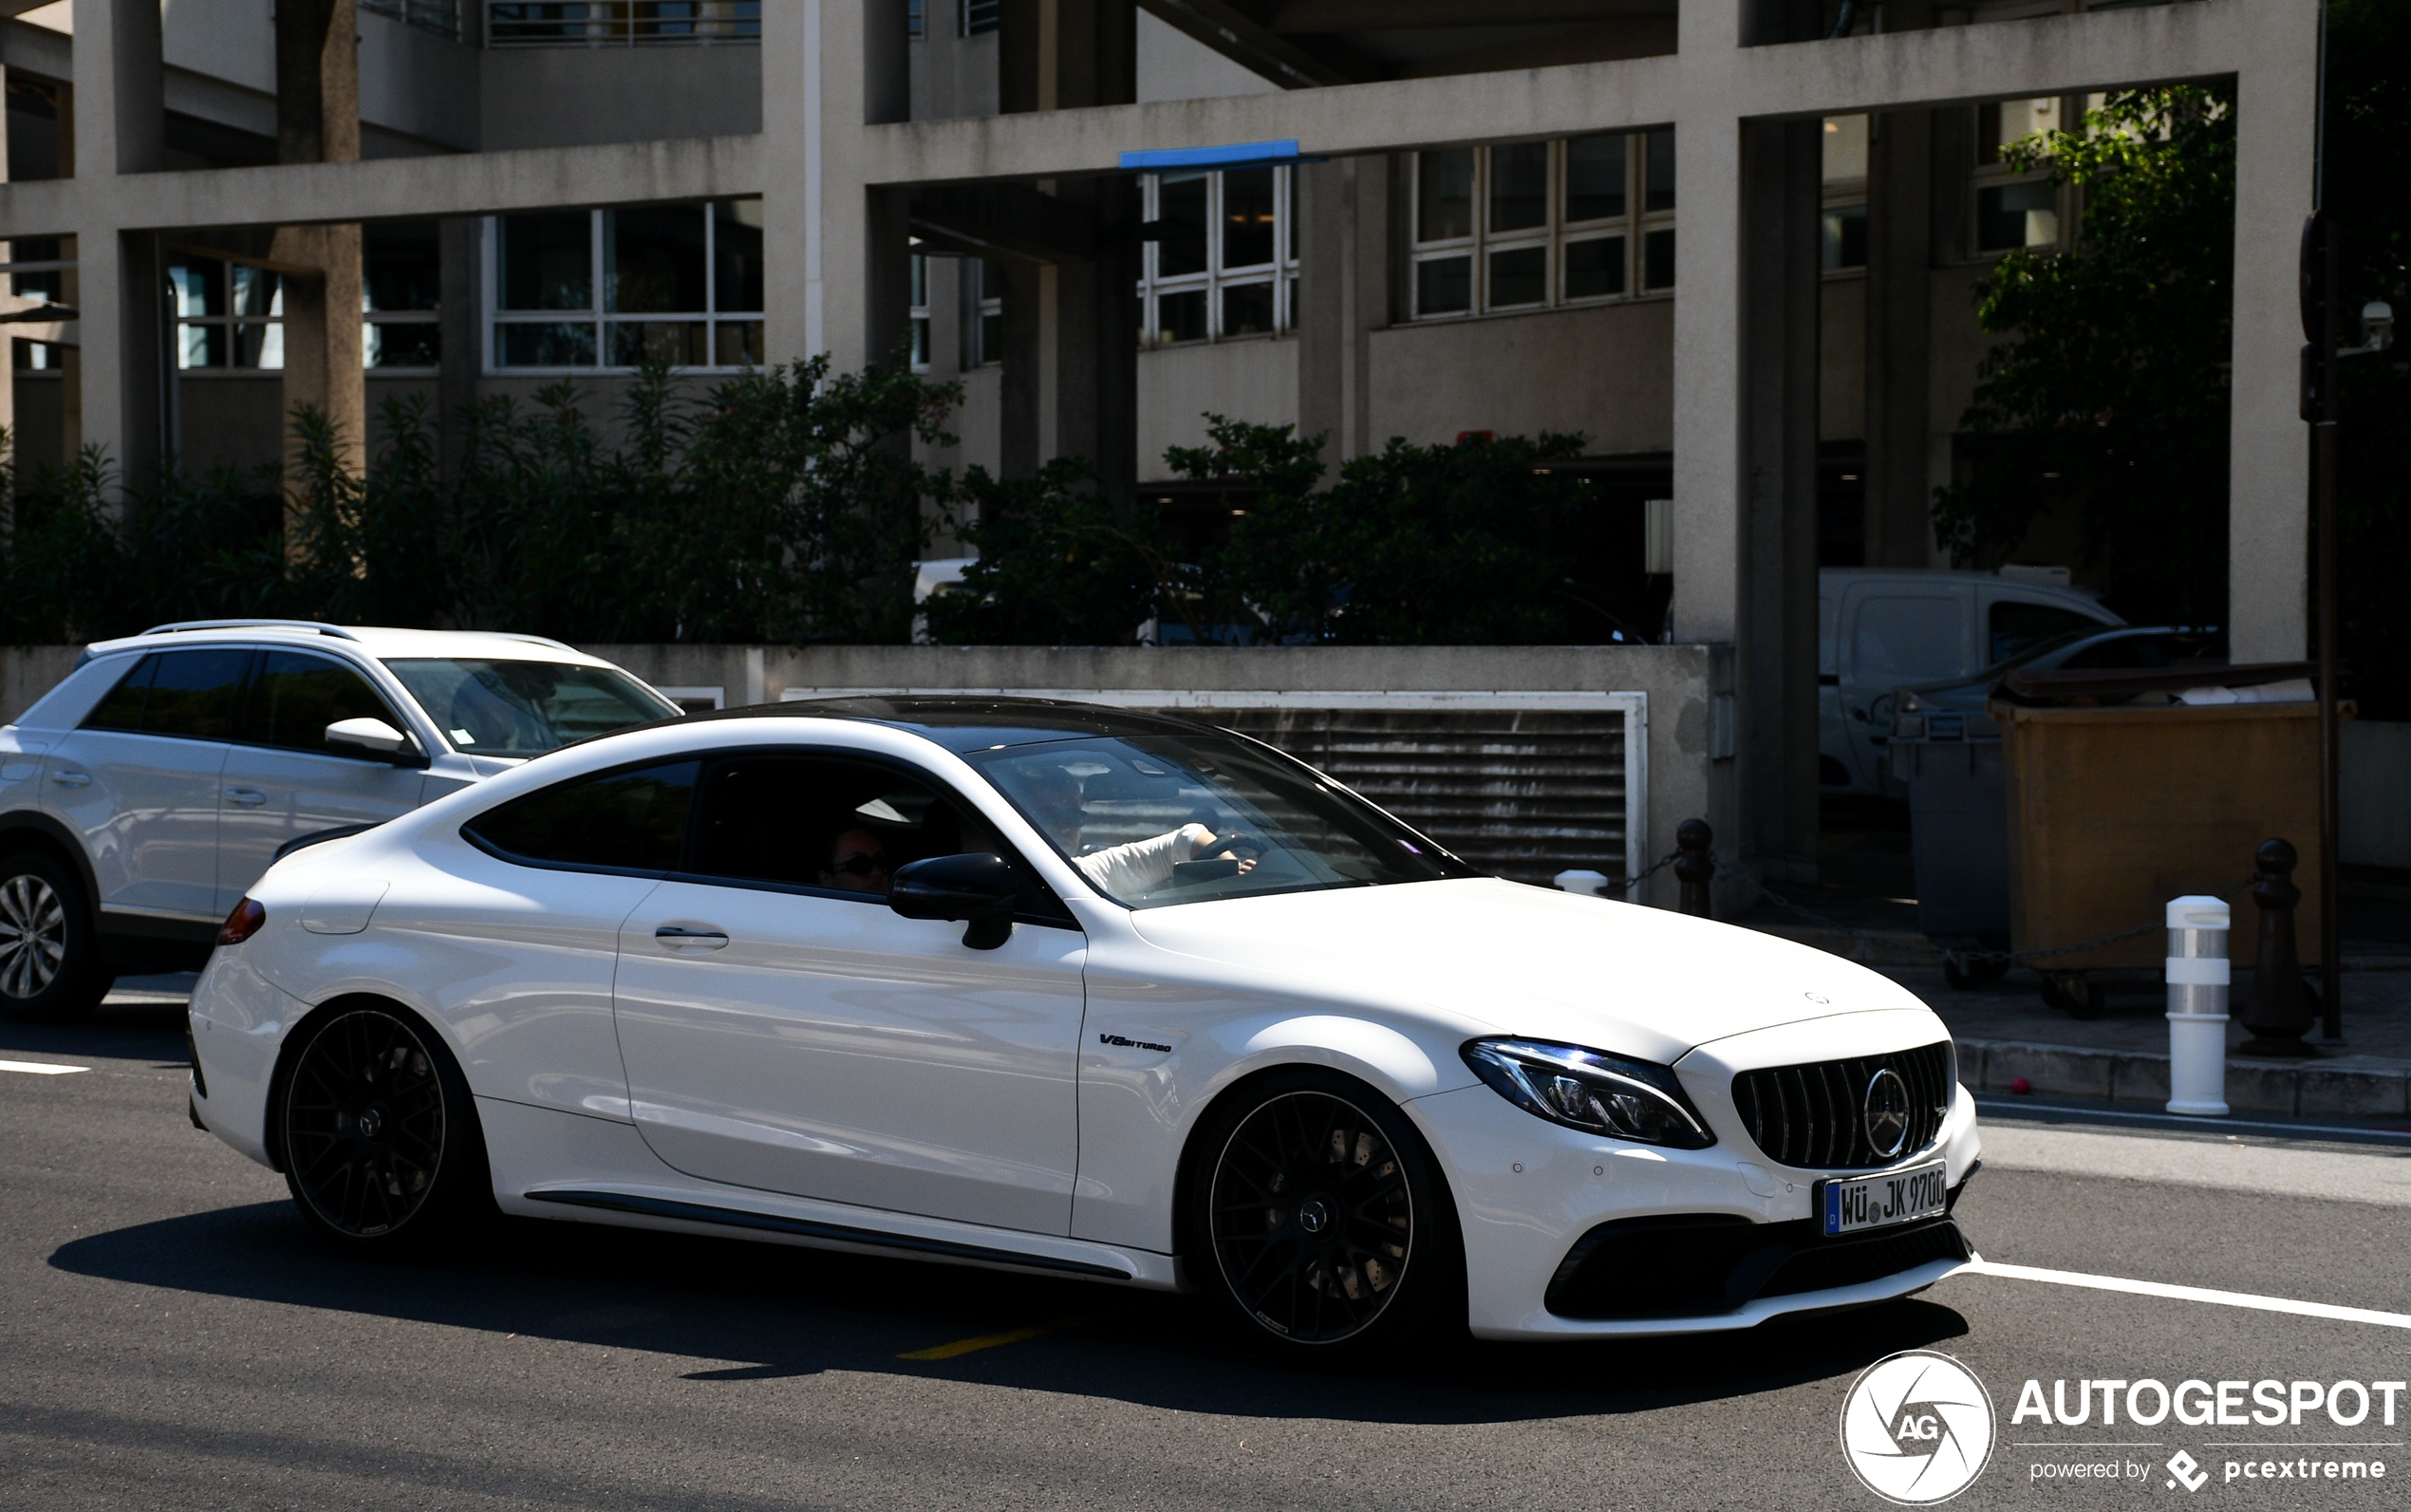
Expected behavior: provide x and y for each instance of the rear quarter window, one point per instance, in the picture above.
(629, 820)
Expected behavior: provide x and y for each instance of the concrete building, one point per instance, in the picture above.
(1731, 242)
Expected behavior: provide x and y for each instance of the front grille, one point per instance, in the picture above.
(1701, 1264)
(1814, 1116)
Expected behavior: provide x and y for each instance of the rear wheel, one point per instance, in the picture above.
(380, 1140)
(49, 953)
(1319, 1218)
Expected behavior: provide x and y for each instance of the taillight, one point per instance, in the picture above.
(242, 924)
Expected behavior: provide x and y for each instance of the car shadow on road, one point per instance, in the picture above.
(724, 1312)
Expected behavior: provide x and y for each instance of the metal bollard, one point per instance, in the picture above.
(2278, 1013)
(2198, 976)
(1693, 866)
(1583, 883)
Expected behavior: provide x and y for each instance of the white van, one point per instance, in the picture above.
(1880, 628)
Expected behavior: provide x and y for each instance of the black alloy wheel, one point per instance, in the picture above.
(1326, 1223)
(379, 1139)
(50, 957)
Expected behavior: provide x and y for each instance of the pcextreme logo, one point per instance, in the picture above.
(1916, 1427)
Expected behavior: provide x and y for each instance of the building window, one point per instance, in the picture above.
(1843, 238)
(1224, 263)
(618, 288)
(2014, 209)
(917, 19)
(400, 287)
(919, 313)
(983, 309)
(438, 17)
(227, 315)
(1538, 224)
(619, 22)
(978, 15)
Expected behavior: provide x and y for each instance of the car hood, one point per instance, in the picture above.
(1532, 962)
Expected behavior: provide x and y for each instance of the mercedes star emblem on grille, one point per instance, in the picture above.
(1887, 1113)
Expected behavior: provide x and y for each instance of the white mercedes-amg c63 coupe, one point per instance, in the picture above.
(1079, 991)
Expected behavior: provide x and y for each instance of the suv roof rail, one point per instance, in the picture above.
(532, 640)
(319, 625)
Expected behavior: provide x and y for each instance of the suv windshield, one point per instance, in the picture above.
(1156, 819)
(525, 708)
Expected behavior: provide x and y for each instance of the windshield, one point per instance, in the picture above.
(525, 708)
(1158, 820)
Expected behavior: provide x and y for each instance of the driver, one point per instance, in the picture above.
(1133, 870)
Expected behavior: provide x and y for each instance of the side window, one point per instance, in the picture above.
(299, 694)
(618, 821)
(813, 821)
(123, 708)
(2014, 626)
(1897, 639)
(195, 694)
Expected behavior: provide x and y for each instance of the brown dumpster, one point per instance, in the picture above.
(2113, 812)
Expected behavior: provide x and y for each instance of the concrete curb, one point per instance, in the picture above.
(2332, 1090)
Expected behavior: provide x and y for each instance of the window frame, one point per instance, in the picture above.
(493, 317)
(1215, 279)
(1552, 236)
(1989, 172)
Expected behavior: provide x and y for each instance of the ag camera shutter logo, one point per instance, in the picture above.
(1916, 1427)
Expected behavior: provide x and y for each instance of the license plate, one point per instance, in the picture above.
(1879, 1201)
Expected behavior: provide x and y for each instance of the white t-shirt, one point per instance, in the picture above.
(1143, 865)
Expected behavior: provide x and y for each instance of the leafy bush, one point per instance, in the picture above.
(783, 505)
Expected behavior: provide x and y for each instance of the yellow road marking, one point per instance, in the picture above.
(985, 1341)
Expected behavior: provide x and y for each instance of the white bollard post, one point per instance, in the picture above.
(2197, 976)
(1583, 883)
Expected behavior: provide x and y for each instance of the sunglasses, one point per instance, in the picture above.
(861, 865)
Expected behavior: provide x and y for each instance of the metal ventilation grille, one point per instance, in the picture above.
(1524, 794)
(1813, 1117)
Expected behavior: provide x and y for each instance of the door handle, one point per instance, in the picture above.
(72, 779)
(245, 797)
(676, 937)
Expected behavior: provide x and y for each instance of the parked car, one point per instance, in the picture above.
(1954, 709)
(1879, 629)
(1082, 992)
(144, 793)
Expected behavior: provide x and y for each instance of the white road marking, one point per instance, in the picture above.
(2186, 1294)
(2380, 1174)
(36, 1067)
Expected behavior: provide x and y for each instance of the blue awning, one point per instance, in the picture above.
(1237, 155)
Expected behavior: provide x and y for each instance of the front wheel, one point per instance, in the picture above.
(1319, 1218)
(51, 966)
(380, 1140)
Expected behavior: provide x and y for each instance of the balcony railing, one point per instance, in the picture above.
(621, 23)
(443, 17)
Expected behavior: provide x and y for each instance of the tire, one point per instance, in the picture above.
(1319, 1222)
(51, 963)
(378, 1132)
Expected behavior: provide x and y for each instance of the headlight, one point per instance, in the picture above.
(1591, 1090)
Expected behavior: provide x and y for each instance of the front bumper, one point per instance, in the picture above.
(1530, 1191)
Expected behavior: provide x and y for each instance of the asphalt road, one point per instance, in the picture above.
(172, 1336)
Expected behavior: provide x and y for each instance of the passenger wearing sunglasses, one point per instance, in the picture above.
(857, 861)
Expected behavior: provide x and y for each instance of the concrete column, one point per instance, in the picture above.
(1325, 351)
(1899, 529)
(1025, 440)
(318, 120)
(460, 330)
(1778, 668)
(119, 118)
(2268, 513)
(887, 285)
(799, 77)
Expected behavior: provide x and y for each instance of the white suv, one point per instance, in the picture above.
(141, 796)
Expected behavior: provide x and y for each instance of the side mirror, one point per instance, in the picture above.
(976, 887)
(375, 738)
